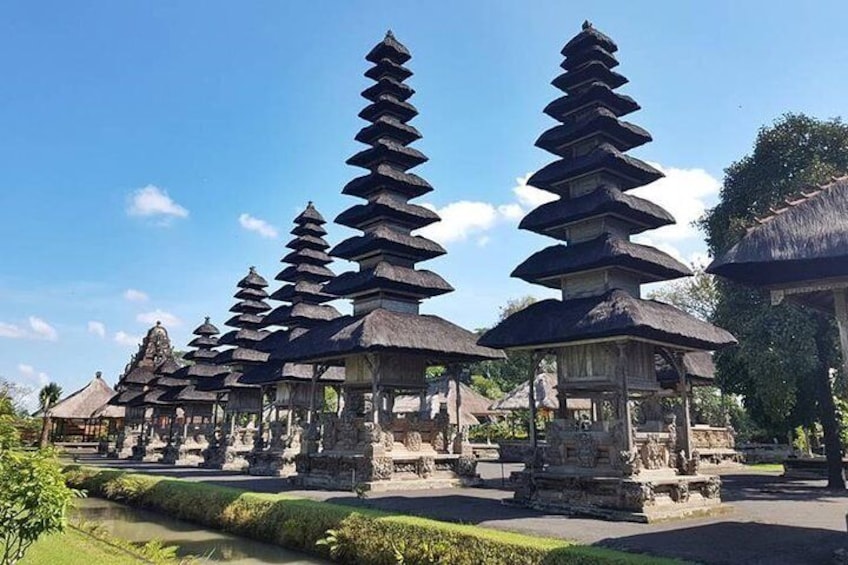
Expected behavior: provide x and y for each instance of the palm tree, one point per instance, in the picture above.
(47, 397)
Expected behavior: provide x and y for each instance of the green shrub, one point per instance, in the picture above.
(357, 536)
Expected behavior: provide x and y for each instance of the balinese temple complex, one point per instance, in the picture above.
(244, 350)
(85, 416)
(157, 428)
(194, 408)
(386, 345)
(294, 388)
(604, 336)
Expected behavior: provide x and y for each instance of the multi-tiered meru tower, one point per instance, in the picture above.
(228, 450)
(386, 345)
(296, 389)
(195, 408)
(604, 336)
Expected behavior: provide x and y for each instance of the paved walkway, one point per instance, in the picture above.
(771, 520)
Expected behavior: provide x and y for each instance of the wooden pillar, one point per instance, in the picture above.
(260, 429)
(562, 375)
(458, 399)
(316, 372)
(840, 304)
(536, 358)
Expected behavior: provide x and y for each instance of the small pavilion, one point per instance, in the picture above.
(603, 334)
(386, 345)
(294, 388)
(84, 416)
(799, 253)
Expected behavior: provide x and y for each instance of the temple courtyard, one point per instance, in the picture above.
(769, 519)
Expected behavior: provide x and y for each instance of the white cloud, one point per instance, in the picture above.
(530, 197)
(158, 315)
(261, 227)
(153, 201)
(12, 331)
(29, 373)
(460, 220)
(123, 338)
(42, 330)
(97, 328)
(134, 295)
(512, 212)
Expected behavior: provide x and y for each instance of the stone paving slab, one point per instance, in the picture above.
(771, 520)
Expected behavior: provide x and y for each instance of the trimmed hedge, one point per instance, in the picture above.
(350, 535)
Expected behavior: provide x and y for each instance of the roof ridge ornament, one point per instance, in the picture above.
(587, 24)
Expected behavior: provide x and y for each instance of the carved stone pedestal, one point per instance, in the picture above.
(185, 453)
(272, 463)
(637, 499)
(150, 451)
(227, 454)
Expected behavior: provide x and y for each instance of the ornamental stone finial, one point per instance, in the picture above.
(587, 24)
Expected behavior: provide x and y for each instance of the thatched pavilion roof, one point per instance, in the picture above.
(85, 402)
(616, 313)
(546, 396)
(384, 330)
(805, 240)
(474, 405)
(699, 366)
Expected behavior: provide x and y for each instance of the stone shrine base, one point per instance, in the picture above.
(643, 498)
(348, 471)
(189, 454)
(225, 457)
(272, 463)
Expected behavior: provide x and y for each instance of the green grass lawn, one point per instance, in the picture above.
(767, 467)
(73, 547)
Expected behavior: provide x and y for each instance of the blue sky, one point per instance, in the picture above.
(247, 110)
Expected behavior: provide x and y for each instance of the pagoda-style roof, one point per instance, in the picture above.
(222, 383)
(394, 278)
(804, 240)
(553, 217)
(599, 270)
(188, 394)
(315, 292)
(385, 207)
(154, 350)
(547, 266)
(611, 315)
(84, 403)
(272, 373)
(247, 333)
(383, 330)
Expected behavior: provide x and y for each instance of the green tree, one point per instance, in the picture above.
(47, 397)
(509, 373)
(781, 366)
(33, 500)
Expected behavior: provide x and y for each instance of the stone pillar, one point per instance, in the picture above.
(624, 402)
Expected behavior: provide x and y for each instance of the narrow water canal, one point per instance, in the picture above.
(210, 545)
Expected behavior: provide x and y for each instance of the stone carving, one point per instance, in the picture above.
(712, 488)
(382, 468)
(466, 467)
(587, 450)
(637, 495)
(328, 438)
(680, 492)
(388, 440)
(412, 441)
(653, 453)
(426, 467)
(629, 462)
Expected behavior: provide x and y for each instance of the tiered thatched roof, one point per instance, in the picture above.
(88, 402)
(805, 240)
(201, 371)
(387, 288)
(599, 269)
(698, 365)
(155, 358)
(245, 340)
(303, 307)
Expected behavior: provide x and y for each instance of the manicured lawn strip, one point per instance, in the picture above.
(73, 547)
(766, 467)
(364, 536)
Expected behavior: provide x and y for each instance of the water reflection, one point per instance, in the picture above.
(142, 526)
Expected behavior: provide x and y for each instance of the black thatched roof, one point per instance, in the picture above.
(385, 239)
(699, 367)
(616, 313)
(596, 94)
(629, 171)
(384, 207)
(553, 217)
(622, 135)
(222, 383)
(310, 215)
(270, 373)
(393, 278)
(383, 330)
(550, 264)
(247, 326)
(385, 176)
(391, 49)
(588, 38)
(188, 394)
(806, 240)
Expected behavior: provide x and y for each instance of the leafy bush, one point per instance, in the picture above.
(33, 500)
(338, 532)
